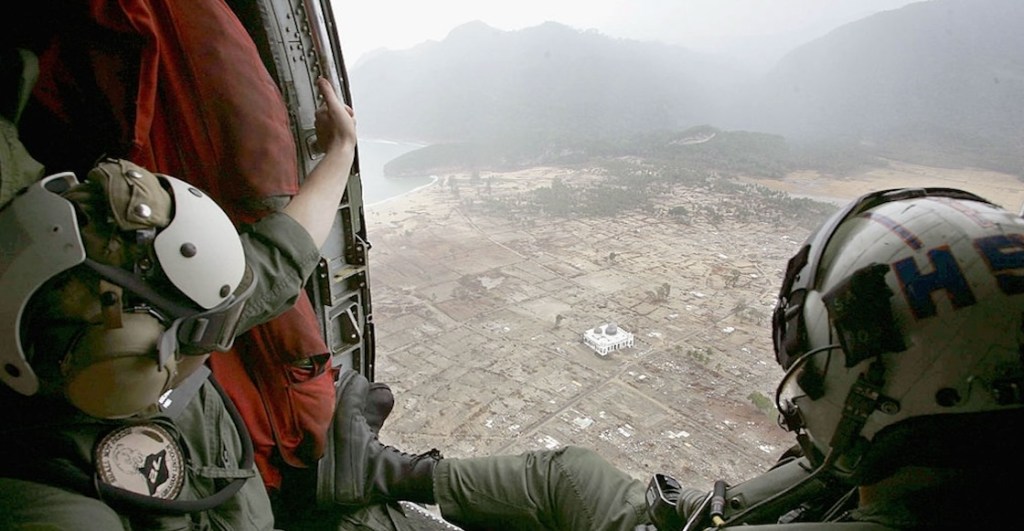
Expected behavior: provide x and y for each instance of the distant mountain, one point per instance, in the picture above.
(941, 81)
(548, 81)
(943, 75)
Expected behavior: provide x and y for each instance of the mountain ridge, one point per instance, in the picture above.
(936, 79)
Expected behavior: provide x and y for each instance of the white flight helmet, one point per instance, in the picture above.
(168, 278)
(900, 324)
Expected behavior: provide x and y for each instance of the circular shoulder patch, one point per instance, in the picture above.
(142, 458)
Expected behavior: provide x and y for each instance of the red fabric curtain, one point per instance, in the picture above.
(179, 88)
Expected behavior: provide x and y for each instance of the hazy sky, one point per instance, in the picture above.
(736, 27)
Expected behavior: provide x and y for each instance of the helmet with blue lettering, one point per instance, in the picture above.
(900, 325)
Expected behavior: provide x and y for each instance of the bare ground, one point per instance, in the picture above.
(466, 303)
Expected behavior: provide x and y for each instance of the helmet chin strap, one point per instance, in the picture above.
(863, 399)
(862, 318)
(138, 286)
(191, 332)
(112, 372)
(790, 418)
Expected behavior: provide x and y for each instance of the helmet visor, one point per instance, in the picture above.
(212, 330)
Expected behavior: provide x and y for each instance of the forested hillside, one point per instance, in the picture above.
(943, 78)
(938, 82)
(549, 81)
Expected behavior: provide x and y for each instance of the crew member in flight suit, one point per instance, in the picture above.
(180, 88)
(900, 330)
(116, 289)
(898, 326)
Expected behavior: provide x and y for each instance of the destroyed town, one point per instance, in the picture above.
(482, 318)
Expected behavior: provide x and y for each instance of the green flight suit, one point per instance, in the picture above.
(18, 72)
(38, 436)
(46, 447)
(570, 488)
(205, 432)
(574, 489)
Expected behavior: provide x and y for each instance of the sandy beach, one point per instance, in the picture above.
(1000, 188)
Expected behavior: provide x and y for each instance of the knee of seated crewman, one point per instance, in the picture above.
(573, 487)
(586, 464)
(592, 488)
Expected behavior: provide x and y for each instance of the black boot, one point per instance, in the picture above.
(365, 471)
(379, 403)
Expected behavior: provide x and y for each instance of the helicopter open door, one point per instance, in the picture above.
(298, 42)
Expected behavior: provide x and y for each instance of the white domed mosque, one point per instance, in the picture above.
(606, 338)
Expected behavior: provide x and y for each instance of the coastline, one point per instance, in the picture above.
(466, 312)
(373, 155)
(434, 196)
(433, 181)
(1000, 188)
(478, 322)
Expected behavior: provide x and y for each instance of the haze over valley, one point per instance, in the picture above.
(937, 82)
(583, 179)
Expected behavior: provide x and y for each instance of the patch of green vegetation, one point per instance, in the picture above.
(727, 153)
(442, 158)
(762, 403)
(698, 149)
(701, 355)
(639, 170)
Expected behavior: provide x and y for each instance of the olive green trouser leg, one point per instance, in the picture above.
(568, 489)
(378, 517)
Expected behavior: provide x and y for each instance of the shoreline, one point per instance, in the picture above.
(433, 180)
(478, 322)
(1000, 188)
